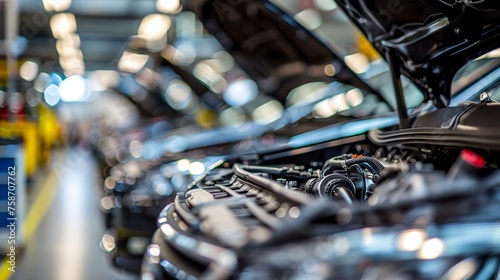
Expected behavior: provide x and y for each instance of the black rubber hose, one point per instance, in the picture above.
(343, 164)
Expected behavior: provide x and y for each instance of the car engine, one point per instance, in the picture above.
(256, 221)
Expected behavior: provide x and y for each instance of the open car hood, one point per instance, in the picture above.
(428, 40)
(270, 46)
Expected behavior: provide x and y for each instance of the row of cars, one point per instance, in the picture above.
(387, 174)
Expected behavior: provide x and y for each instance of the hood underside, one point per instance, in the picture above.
(430, 40)
(426, 40)
(276, 51)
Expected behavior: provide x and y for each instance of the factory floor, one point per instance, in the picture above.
(64, 242)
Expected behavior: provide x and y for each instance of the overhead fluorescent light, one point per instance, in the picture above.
(68, 41)
(168, 6)
(154, 27)
(56, 5)
(132, 62)
(62, 24)
(67, 62)
(74, 89)
(29, 70)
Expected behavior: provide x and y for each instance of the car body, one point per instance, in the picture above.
(358, 199)
(133, 202)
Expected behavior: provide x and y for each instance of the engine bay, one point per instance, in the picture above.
(315, 211)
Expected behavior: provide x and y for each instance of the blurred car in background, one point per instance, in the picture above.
(360, 198)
